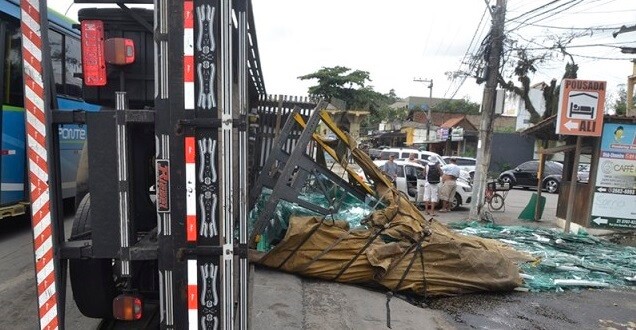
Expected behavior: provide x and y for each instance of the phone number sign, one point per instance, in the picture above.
(615, 187)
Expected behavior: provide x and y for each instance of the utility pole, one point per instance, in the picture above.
(430, 105)
(488, 109)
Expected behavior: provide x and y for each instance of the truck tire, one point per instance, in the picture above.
(92, 280)
(81, 177)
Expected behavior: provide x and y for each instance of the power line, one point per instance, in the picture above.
(533, 10)
(582, 11)
(579, 46)
(477, 29)
(594, 6)
(570, 4)
(605, 12)
(574, 28)
(604, 58)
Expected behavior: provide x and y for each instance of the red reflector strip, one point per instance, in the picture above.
(193, 301)
(191, 208)
(188, 54)
(37, 154)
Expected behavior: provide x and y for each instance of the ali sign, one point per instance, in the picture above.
(581, 107)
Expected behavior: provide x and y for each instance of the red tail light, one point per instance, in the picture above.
(93, 63)
(127, 307)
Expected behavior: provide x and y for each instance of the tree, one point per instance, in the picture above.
(462, 106)
(522, 57)
(620, 104)
(349, 86)
(526, 65)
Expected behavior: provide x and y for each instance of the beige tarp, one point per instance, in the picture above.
(401, 251)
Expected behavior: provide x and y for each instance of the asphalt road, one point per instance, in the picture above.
(515, 201)
(586, 309)
(283, 301)
(17, 280)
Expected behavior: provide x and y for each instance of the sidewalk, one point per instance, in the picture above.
(515, 202)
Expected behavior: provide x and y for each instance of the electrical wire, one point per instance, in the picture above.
(533, 10)
(592, 28)
(477, 29)
(610, 45)
(603, 58)
(569, 5)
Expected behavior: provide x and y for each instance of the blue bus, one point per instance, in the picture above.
(66, 59)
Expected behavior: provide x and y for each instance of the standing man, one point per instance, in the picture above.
(412, 181)
(431, 188)
(449, 184)
(391, 168)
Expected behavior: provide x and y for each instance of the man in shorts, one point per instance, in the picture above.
(449, 184)
(431, 188)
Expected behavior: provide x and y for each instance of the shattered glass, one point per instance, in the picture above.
(565, 260)
(348, 207)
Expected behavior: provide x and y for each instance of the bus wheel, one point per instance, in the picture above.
(92, 280)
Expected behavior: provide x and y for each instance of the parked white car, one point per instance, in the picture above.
(424, 156)
(467, 164)
(411, 179)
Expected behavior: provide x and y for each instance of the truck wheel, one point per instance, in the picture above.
(81, 177)
(92, 280)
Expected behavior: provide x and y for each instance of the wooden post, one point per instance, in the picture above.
(573, 180)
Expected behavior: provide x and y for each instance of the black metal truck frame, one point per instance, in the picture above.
(162, 199)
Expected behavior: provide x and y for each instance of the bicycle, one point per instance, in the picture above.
(495, 200)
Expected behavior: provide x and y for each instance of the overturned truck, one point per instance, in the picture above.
(301, 221)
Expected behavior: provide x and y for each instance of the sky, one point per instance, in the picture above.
(399, 41)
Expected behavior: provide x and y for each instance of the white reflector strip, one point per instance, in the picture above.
(193, 304)
(191, 200)
(35, 107)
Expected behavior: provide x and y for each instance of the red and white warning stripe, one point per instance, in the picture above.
(193, 296)
(34, 104)
(191, 199)
(188, 54)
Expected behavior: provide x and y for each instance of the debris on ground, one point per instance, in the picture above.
(564, 261)
(392, 246)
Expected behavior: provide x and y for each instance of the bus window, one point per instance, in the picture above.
(73, 64)
(56, 41)
(13, 88)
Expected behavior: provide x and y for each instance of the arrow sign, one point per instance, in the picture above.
(601, 189)
(600, 221)
(570, 125)
(581, 107)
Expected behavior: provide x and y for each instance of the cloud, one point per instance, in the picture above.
(399, 40)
